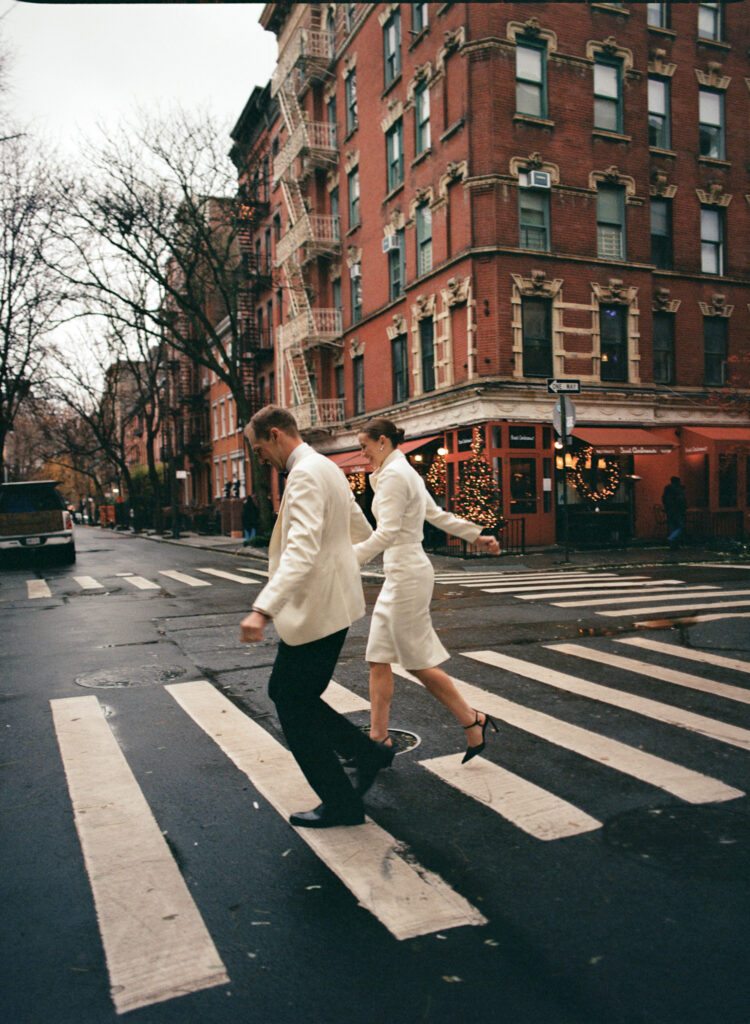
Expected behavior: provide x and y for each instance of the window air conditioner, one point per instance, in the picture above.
(390, 242)
(535, 179)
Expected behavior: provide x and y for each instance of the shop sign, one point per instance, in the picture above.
(522, 437)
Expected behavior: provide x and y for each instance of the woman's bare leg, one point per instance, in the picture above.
(381, 693)
(440, 685)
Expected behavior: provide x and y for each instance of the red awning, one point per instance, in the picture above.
(355, 462)
(410, 446)
(624, 440)
(696, 439)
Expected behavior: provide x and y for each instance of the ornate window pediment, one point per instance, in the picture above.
(713, 78)
(424, 307)
(456, 291)
(612, 176)
(537, 285)
(396, 222)
(609, 48)
(398, 328)
(658, 65)
(453, 172)
(351, 161)
(614, 293)
(663, 301)
(356, 347)
(660, 187)
(534, 162)
(714, 195)
(531, 29)
(718, 306)
(454, 40)
(421, 196)
(395, 111)
(353, 256)
(423, 76)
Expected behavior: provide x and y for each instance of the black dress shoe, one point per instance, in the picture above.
(323, 817)
(378, 758)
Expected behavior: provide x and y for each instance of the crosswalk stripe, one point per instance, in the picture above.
(405, 897)
(672, 778)
(37, 588)
(681, 607)
(534, 810)
(257, 572)
(480, 579)
(222, 574)
(667, 713)
(141, 583)
(342, 700)
(665, 675)
(710, 590)
(183, 577)
(578, 585)
(687, 653)
(88, 583)
(155, 942)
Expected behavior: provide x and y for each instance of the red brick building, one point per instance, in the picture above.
(467, 200)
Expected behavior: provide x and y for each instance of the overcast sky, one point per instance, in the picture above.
(73, 65)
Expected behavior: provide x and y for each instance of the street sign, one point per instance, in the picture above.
(558, 386)
(570, 416)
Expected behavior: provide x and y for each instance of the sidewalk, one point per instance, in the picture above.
(534, 558)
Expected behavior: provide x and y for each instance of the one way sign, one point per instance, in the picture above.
(559, 386)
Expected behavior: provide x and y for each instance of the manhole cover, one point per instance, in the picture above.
(130, 676)
(402, 739)
(692, 840)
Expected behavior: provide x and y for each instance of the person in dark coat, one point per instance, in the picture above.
(249, 518)
(675, 506)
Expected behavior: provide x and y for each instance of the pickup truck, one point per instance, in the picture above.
(33, 516)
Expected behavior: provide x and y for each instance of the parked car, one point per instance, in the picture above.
(34, 516)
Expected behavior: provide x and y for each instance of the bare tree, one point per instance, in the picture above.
(156, 240)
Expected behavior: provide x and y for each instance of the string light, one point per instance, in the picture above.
(607, 470)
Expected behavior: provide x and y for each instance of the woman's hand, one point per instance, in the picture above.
(489, 544)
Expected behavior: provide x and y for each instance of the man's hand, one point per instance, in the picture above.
(251, 628)
(488, 544)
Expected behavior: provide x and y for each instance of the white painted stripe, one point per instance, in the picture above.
(667, 713)
(406, 898)
(257, 572)
(720, 565)
(534, 810)
(547, 578)
(686, 653)
(88, 583)
(155, 942)
(647, 595)
(229, 576)
(672, 778)
(582, 585)
(689, 620)
(38, 588)
(344, 701)
(664, 675)
(183, 577)
(667, 608)
(141, 583)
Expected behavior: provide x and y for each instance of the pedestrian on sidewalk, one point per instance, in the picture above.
(401, 629)
(314, 593)
(249, 518)
(675, 506)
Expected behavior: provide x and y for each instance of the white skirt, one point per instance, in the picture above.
(401, 628)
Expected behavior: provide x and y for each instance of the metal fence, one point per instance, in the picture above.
(511, 535)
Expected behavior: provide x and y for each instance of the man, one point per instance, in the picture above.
(675, 507)
(313, 594)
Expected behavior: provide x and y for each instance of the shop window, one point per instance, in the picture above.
(661, 233)
(392, 47)
(531, 79)
(614, 343)
(608, 95)
(659, 129)
(727, 480)
(537, 338)
(533, 219)
(523, 495)
(663, 348)
(711, 124)
(427, 351)
(715, 350)
(522, 436)
(358, 369)
(610, 222)
(399, 363)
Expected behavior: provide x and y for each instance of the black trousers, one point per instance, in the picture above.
(314, 731)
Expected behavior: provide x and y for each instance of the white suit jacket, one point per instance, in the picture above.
(314, 587)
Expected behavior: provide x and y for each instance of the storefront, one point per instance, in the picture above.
(715, 472)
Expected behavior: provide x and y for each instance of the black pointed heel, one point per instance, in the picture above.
(473, 751)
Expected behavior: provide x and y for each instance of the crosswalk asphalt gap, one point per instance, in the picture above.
(656, 684)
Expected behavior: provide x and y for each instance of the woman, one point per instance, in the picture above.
(401, 629)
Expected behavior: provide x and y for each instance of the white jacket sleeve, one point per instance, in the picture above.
(449, 523)
(392, 497)
(359, 527)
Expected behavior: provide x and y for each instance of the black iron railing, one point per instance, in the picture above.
(511, 535)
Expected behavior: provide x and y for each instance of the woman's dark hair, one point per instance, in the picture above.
(381, 427)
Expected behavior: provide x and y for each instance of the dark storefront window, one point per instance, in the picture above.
(727, 480)
(522, 486)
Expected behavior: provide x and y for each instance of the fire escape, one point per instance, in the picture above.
(311, 236)
(254, 276)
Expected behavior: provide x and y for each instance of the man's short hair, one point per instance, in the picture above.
(273, 416)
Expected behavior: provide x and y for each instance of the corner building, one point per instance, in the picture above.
(468, 200)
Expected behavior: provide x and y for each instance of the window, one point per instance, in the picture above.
(277, 227)
(392, 47)
(331, 115)
(358, 368)
(712, 241)
(659, 129)
(351, 102)
(397, 267)
(334, 194)
(661, 233)
(710, 21)
(353, 182)
(663, 348)
(422, 116)
(533, 219)
(607, 96)
(399, 362)
(658, 15)
(424, 239)
(523, 495)
(427, 352)
(419, 18)
(216, 421)
(230, 416)
(339, 381)
(714, 350)
(614, 343)
(336, 289)
(610, 222)
(537, 338)
(531, 92)
(728, 480)
(711, 124)
(394, 155)
(222, 418)
(356, 294)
